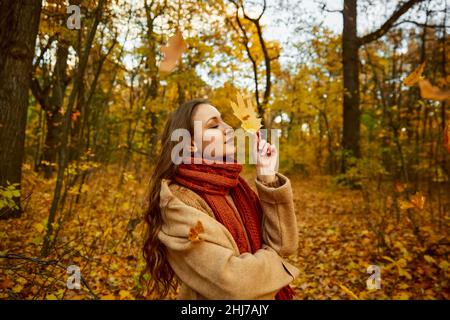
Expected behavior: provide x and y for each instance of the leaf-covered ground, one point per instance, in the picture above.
(102, 235)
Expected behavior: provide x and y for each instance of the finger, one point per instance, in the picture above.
(269, 150)
(273, 149)
(261, 144)
(265, 148)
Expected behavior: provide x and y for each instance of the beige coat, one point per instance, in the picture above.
(213, 268)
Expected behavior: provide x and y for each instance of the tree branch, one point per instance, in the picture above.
(325, 8)
(422, 25)
(388, 24)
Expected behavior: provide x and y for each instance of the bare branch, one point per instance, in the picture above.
(422, 25)
(388, 24)
(325, 8)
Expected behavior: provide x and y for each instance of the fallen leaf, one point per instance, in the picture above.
(429, 259)
(172, 52)
(403, 295)
(7, 283)
(349, 292)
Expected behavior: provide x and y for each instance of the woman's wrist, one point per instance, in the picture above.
(266, 177)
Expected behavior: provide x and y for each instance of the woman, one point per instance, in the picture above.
(207, 230)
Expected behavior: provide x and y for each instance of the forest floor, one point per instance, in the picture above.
(339, 238)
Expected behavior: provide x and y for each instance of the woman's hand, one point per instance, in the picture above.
(266, 160)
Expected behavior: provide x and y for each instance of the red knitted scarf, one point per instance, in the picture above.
(212, 182)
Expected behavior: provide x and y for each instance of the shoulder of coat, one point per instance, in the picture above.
(189, 197)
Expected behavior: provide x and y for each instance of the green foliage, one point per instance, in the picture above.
(8, 194)
(359, 172)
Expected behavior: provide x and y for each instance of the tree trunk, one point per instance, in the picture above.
(53, 111)
(350, 61)
(19, 24)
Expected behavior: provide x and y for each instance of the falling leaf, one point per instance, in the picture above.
(405, 205)
(428, 91)
(247, 114)
(415, 76)
(447, 137)
(399, 187)
(172, 52)
(195, 231)
(418, 200)
(75, 115)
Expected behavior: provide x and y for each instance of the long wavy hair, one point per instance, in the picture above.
(160, 276)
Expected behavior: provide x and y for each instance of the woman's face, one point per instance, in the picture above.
(216, 136)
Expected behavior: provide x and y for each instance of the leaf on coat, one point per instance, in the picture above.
(428, 91)
(447, 137)
(195, 231)
(172, 52)
(415, 76)
(247, 114)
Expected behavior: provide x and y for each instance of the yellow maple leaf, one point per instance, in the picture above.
(415, 76)
(246, 114)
